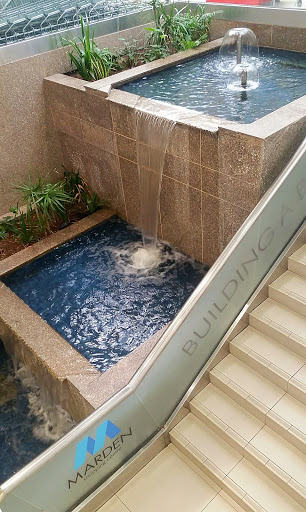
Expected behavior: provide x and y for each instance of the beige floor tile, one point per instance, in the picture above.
(232, 414)
(290, 282)
(261, 489)
(218, 504)
(293, 411)
(282, 453)
(113, 505)
(195, 468)
(166, 484)
(269, 349)
(208, 443)
(250, 381)
(283, 316)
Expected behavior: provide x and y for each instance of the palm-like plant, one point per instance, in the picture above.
(46, 200)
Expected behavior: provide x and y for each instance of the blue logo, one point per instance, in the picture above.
(92, 446)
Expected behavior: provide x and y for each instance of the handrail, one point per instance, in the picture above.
(135, 410)
(215, 269)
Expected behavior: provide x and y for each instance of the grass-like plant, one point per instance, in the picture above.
(74, 185)
(45, 200)
(25, 229)
(91, 62)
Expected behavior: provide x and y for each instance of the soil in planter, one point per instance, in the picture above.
(11, 245)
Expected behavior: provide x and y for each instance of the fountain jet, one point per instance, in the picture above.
(238, 56)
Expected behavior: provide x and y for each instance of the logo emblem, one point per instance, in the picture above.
(92, 446)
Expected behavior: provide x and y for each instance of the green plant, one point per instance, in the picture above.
(8, 224)
(129, 56)
(3, 232)
(93, 202)
(26, 230)
(77, 188)
(154, 52)
(178, 30)
(46, 201)
(91, 62)
(74, 185)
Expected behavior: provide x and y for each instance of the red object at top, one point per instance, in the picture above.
(241, 2)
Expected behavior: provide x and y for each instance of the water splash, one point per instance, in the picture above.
(50, 421)
(28, 424)
(152, 136)
(159, 262)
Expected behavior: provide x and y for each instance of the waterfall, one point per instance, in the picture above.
(152, 136)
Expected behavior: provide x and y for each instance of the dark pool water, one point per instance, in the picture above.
(88, 291)
(200, 85)
(27, 427)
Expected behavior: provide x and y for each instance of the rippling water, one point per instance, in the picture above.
(200, 85)
(92, 294)
(27, 424)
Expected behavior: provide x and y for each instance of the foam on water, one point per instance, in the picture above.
(133, 260)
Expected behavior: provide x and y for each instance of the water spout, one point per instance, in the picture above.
(239, 49)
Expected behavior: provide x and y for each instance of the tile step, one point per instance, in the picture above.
(272, 360)
(275, 457)
(263, 399)
(236, 475)
(281, 324)
(297, 261)
(290, 290)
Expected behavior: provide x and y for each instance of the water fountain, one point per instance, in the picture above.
(239, 57)
(152, 136)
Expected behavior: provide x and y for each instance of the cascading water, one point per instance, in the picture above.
(152, 136)
(29, 421)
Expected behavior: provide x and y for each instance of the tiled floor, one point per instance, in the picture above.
(242, 447)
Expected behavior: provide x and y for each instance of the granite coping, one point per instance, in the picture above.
(61, 370)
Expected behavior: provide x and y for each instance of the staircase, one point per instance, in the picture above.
(242, 446)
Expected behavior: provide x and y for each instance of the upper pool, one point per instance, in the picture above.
(199, 85)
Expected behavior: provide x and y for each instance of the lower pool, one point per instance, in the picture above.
(89, 291)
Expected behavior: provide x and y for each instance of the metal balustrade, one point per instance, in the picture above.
(22, 19)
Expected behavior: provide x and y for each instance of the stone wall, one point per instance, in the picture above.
(28, 142)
